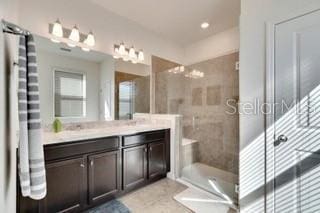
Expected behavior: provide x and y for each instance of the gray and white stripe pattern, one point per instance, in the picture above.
(31, 158)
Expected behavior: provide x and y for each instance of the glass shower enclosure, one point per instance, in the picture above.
(206, 95)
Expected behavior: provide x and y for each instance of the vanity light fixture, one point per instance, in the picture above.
(74, 38)
(128, 54)
(177, 70)
(195, 74)
(57, 31)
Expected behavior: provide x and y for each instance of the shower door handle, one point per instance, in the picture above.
(280, 139)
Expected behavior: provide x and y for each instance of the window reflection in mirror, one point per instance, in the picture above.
(132, 92)
(126, 100)
(70, 94)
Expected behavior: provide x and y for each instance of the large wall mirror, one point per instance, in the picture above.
(79, 86)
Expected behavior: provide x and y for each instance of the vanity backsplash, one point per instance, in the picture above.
(98, 124)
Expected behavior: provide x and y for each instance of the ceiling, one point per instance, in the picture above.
(178, 20)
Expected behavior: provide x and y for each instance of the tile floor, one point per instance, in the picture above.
(156, 198)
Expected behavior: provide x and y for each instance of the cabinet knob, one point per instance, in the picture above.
(91, 163)
(145, 150)
(82, 165)
(150, 148)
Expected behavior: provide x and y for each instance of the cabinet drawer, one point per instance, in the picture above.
(69, 149)
(134, 140)
(143, 138)
(153, 136)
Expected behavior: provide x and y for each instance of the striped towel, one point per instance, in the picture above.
(31, 157)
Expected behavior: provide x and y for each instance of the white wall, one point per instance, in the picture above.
(8, 11)
(108, 28)
(220, 44)
(254, 15)
(2, 123)
(107, 89)
(46, 64)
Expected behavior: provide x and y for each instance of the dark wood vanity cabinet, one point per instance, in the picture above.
(157, 160)
(143, 163)
(134, 166)
(66, 184)
(104, 175)
(83, 174)
(146, 162)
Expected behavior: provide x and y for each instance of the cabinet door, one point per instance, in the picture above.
(104, 176)
(157, 159)
(134, 166)
(66, 186)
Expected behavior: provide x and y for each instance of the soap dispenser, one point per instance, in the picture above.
(57, 125)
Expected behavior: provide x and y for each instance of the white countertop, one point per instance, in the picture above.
(84, 134)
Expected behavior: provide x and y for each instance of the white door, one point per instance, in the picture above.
(297, 115)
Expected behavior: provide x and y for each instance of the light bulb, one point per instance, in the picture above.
(90, 41)
(57, 31)
(74, 35)
(122, 49)
(205, 25)
(85, 49)
(71, 45)
(125, 57)
(132, 53)
(181, 68)
(116, 53)
(140, 56)
(55, 40)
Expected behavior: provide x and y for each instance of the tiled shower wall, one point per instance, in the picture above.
(203, 104)
(142, 97)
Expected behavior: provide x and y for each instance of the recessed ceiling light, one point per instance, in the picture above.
(205, 25)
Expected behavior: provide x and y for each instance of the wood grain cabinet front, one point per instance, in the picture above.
(66, 186)
(157, 160)
(104, 176)
(134, 167)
